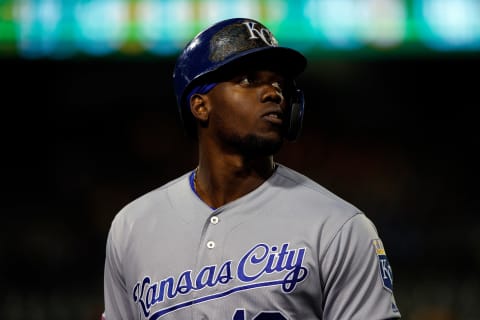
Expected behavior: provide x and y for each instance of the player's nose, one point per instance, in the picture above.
(272, 92)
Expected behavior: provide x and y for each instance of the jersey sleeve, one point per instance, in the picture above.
(117, 306)
(356, 275)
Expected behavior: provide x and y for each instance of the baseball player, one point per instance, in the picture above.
(241, 237)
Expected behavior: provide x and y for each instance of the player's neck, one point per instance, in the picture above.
(222, 178)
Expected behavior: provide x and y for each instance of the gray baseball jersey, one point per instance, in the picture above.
(290, 249)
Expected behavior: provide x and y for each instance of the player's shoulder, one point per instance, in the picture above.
(151, 202)
(309, 192)
(317, 206)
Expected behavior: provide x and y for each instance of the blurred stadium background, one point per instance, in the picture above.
(89, 123)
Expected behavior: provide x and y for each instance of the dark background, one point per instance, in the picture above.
(81, 138)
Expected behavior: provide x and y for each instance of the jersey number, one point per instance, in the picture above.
(265, 315)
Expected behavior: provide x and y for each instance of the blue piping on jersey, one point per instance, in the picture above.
(192, 186)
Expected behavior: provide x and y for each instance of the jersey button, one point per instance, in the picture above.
(210, 244)
(214, 220)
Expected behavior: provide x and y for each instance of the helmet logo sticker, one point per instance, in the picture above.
(263, 33)
(236, 38)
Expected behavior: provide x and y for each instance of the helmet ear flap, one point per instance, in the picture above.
(295, 115)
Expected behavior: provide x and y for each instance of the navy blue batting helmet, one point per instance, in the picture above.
(229, 43)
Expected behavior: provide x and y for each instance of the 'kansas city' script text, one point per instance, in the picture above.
(251, 270)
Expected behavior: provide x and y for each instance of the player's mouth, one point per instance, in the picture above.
(274, 117)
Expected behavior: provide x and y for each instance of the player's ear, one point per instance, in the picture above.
(199, 107)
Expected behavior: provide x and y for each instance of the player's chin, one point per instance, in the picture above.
(275, 136)
(262, 144)
(273, 132)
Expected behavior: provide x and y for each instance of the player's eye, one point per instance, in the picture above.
(245, 80)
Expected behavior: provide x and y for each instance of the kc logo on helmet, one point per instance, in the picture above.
(262, 33)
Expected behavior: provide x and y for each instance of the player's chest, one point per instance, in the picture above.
(223, 261)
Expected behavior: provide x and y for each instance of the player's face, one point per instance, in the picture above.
(248, 112)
